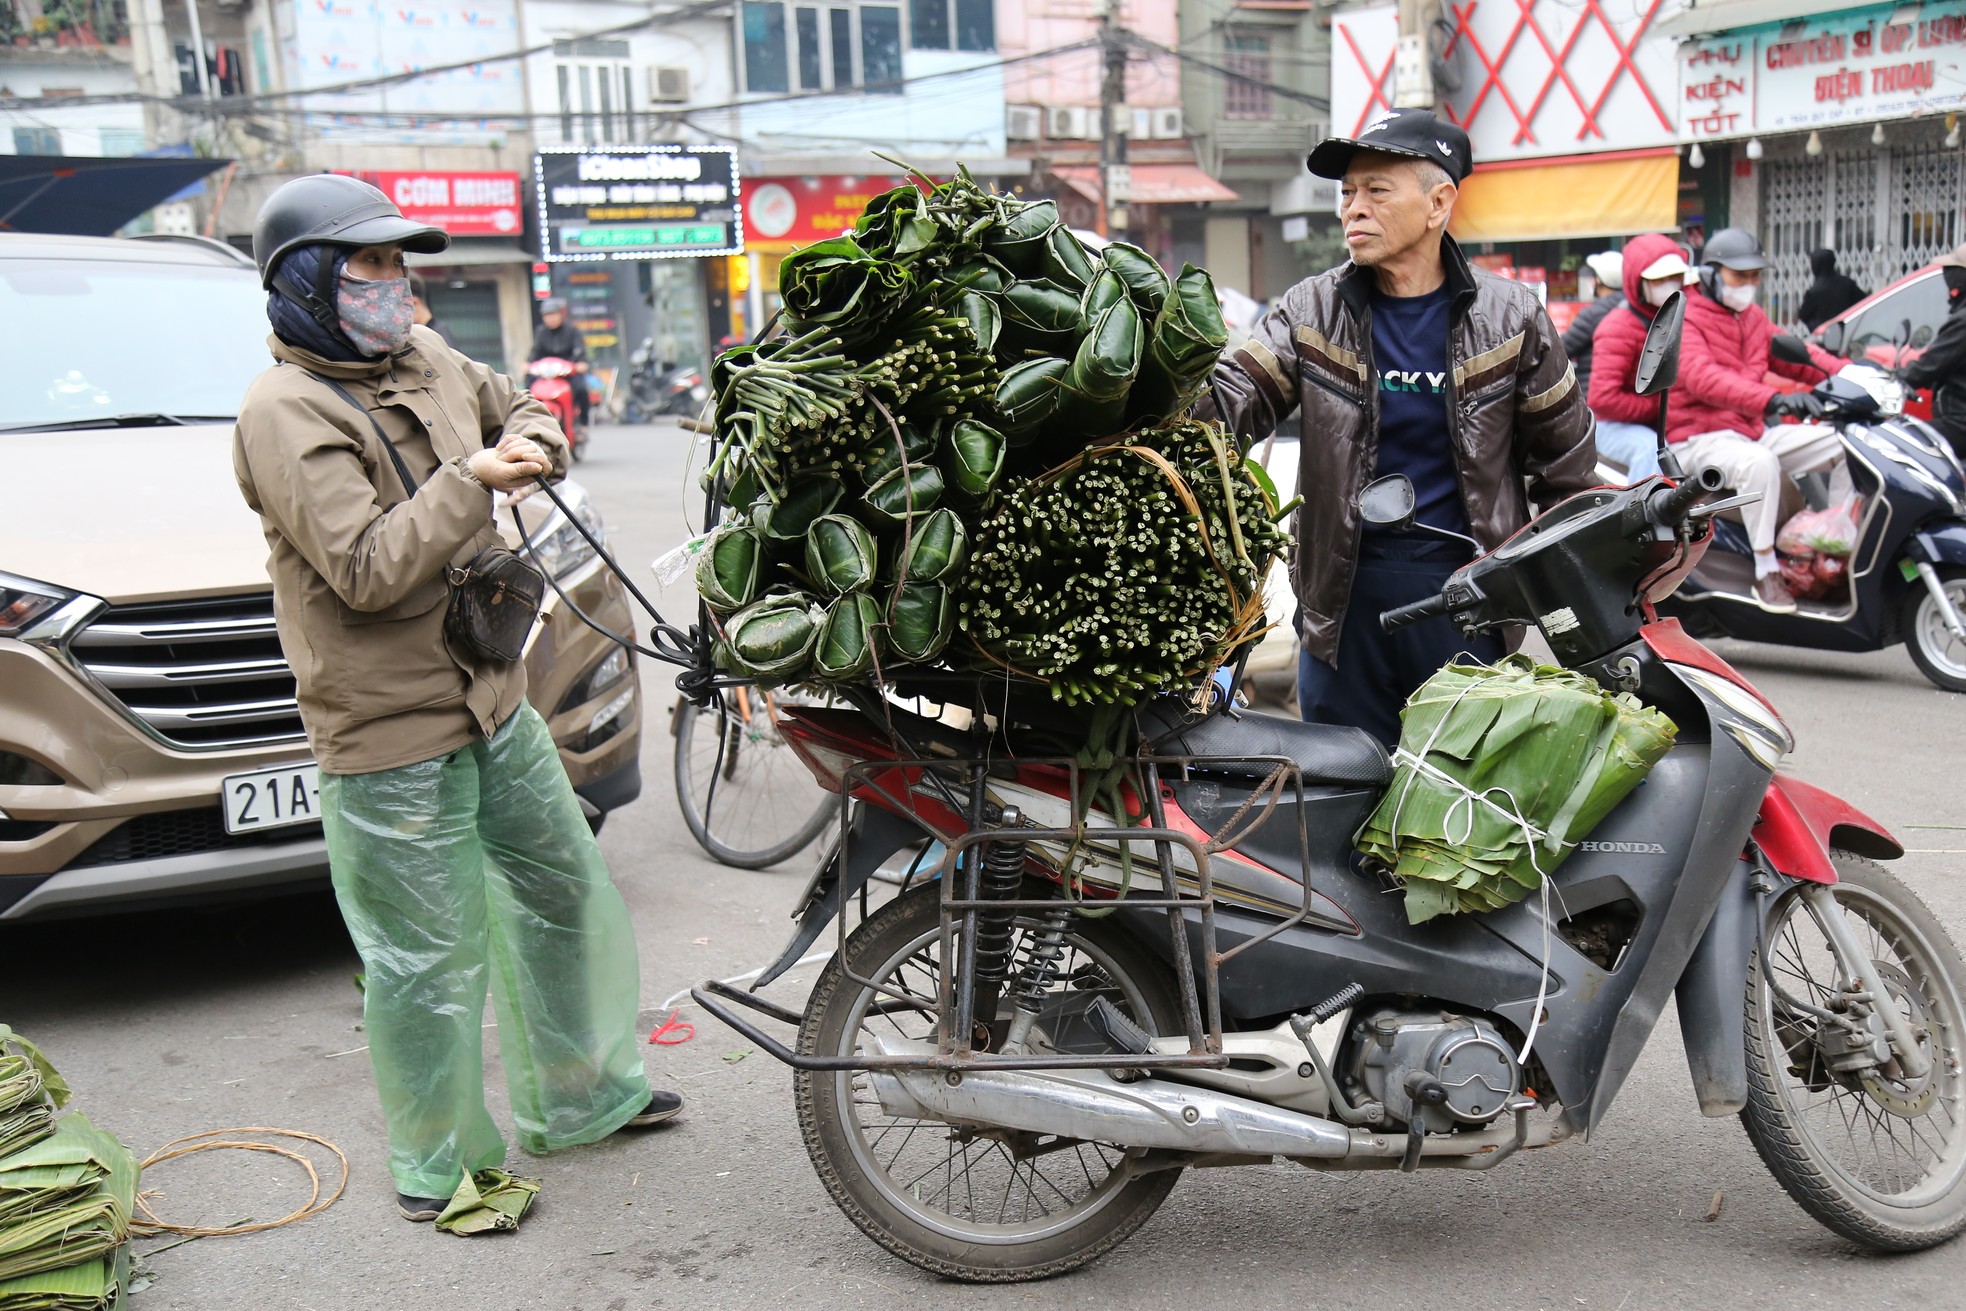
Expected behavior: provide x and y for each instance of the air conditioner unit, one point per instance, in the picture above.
(1167, 123)
(1139, 123)
(1071, 123)
(1023, 122)
(668, 86)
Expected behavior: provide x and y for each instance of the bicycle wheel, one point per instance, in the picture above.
(746, 797)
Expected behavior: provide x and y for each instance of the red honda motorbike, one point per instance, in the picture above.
(1002, 1071)
(551, 380)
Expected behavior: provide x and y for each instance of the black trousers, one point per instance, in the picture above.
(1376, 671)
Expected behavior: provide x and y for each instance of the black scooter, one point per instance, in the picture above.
(1907, 575)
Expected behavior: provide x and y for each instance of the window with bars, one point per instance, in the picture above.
(597, 91)
(1249, 55)
(836, 47)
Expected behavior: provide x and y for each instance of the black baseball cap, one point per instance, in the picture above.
(1412, 132)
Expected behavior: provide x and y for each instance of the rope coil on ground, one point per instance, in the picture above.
(148, 1225)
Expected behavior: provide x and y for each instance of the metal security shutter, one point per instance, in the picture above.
(1925, 200)
(470, 312)
(1792, 219)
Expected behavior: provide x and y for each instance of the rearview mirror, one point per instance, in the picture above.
(1788, 350)
(1387, 502)
(1832, 336)
(1658, 360)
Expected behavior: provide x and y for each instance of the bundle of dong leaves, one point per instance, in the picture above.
(967, 448)
(1501, 771)
(67, 1191)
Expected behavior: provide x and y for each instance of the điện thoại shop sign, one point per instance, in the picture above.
(1857, 65)
(638, 202)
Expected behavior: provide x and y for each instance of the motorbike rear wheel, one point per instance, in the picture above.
(1876, 1157)
(1939, 655)
(967, 1204)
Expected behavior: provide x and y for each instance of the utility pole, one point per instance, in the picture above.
(1115, 176)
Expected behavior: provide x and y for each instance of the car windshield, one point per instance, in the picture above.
(85, 340)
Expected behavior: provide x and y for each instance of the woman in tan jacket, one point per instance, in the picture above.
(458, 852)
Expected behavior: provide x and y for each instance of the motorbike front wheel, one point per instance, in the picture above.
(1875, 1156)
(1939, 655)
(967, 1204)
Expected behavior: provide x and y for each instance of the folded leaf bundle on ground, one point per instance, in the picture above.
(66, 1196)
(1501, 771)
(961, 352)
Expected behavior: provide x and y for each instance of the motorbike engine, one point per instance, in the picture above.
(1441, 1068)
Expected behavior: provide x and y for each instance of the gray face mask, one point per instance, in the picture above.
(375, 316)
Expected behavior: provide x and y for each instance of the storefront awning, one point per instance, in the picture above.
(84, 196)
(466, 253)
(1726, 15)
(1610, 195)
(1153, 184)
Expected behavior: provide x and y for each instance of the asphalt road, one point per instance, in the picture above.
(176, 1023)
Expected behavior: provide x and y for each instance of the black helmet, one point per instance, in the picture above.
(1734, 248)
(340, 211)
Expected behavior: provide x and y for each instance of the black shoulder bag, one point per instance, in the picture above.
(495, 597)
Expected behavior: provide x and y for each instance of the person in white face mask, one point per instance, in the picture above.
(1726, 414)
(1654, 267)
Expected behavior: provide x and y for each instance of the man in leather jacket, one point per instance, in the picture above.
(1405, 359)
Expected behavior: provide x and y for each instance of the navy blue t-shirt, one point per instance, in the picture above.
(1409, 352)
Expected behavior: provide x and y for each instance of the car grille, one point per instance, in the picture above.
(179, 833)
(205, 673)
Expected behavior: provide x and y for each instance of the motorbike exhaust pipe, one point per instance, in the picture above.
(1149, 1112)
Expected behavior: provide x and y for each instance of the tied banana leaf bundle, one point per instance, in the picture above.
(1146, 281)
(849, 644)
(1102, 372)
(488, 1201)
(1186, 338)
(906, 444)
(903, 494)
(920, 619)
(98, 1284)
(728, 570)
(973, 460)
(838, 286)
(935, 548)
(1131, 570)
(1501, 771)
(771, 640)
(840, 554)
(1040, 318)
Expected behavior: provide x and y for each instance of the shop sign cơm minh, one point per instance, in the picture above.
(1857, 66)
(638, 202)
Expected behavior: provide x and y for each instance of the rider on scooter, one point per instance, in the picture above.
(557, 338)
(1722, 410)
(1627, 423)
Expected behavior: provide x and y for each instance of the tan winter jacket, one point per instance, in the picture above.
(358, 566)
(1514, 413)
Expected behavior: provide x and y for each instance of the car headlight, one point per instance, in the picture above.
(562, 549)
(25, 603)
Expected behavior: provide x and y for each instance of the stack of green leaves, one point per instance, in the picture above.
(1501, 771)
(66, 1197)
(955, 345)
(1129, 571)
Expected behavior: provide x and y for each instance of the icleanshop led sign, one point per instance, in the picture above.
(638, 202)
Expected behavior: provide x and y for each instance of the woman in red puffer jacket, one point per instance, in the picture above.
(1627, 423)
(1721, 407)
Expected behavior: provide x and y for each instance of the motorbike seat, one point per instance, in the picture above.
(1326, 754)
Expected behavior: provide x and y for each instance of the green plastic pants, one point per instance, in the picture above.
(477, 869)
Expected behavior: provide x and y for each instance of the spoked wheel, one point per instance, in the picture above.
(748, 800)
(1878, 1157)
(1939, 655)
(969, 1204)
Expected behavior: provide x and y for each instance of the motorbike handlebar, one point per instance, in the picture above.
(1669, 506)
(1393, 620)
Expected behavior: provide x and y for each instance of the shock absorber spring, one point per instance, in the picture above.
(1044, 954)
(999, 879)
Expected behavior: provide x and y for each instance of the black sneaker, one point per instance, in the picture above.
(662, 1106)
(420, 1210)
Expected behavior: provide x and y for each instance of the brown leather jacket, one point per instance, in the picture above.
(1515, 413)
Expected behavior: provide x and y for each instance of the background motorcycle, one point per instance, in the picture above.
(1907, 575)
(1002, 1072)
(551, 381)
(661, 388)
